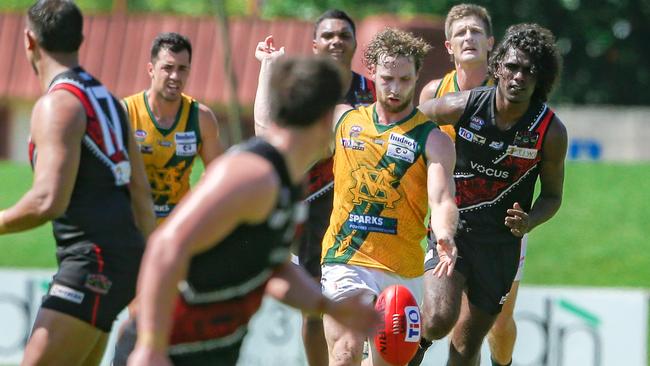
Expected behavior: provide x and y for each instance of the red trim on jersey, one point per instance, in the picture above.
(93, 129)
(371, 87)
(100, 269)
(543, 126)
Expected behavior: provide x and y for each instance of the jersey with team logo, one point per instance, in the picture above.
(100, 194)
(449, 84)
(168, 153)
(494, 168)
(380, 195)
(321, 176)
(225, 284)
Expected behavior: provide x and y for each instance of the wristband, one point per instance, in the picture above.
(151, 339)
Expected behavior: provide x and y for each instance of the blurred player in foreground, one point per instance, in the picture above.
(227, 243)
(90, 182)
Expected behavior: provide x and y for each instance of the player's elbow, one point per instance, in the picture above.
(49, 207)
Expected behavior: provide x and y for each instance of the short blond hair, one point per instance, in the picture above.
(465, 10)
(395, 42)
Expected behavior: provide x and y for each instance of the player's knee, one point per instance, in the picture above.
(346, 351)
(504, 326)
(437, 323)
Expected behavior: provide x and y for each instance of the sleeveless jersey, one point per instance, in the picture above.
(225, 284)
(100, 205)
(380, 195)
(449, 84)
(321, 176)
(494, 168)
(168, 154)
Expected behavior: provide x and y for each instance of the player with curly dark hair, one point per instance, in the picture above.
(539, 44)
(507, 138)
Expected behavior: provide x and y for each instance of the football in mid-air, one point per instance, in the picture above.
(398, 336)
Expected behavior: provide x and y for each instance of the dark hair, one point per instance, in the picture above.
(395, 42)
(539, 44)
(335, 14)
(170, 41)
(303, 90)
(57, 25)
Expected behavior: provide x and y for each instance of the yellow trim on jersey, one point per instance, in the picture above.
(380, 194)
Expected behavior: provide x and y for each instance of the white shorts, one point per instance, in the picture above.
(522, 258)
(340, 281)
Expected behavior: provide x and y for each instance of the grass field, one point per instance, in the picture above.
(595, 239)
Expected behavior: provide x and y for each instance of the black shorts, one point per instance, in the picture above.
(313, 231)
(227, 356)
(488, 262)
(93, 283)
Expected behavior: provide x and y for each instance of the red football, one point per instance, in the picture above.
(398, 337)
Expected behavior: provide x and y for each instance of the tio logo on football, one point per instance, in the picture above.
(413, 324)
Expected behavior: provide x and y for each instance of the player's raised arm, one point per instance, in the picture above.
(267, 54)
(447, 109)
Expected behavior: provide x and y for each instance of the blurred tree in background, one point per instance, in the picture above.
(606, 56)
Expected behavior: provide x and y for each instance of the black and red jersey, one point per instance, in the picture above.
(100, 206)
(225, 284)
(321, 176)
(495, 168)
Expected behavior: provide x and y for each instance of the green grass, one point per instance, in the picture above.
(599, 236)
(596, 239)
(33, 248)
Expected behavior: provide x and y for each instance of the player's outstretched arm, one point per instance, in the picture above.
(58, 124)
(267, 54)
(447, 109)
(226, 197)
(551, 177)
(441, 158)
(293, 286)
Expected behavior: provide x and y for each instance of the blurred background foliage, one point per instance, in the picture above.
(606, 53)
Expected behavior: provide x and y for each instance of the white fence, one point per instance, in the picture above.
(557, 326)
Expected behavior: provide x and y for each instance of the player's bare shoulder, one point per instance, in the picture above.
(59, 110)
(429, 90)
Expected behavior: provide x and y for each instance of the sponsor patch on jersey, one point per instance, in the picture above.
(403, 141)
(67, 293)
(98, 283)
(122, 173)
(489, 171)
(140, 135)
(496, 145)
(185, 143)
(400, 152)
(379, 141)
(353, 144)
(372, 223)
(146, 149)
(521, 152)
(413, 327)
(165, 143)
(526, 139)
(355, 131)
(162, 210)
(476, 123)
(471, 136)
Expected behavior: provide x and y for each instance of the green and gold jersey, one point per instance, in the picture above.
(380, 193)
(168, 154)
